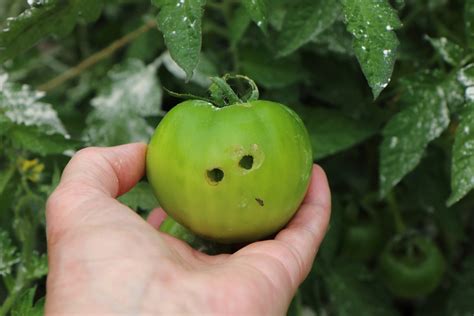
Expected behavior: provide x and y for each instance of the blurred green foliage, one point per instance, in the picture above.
(82, 73)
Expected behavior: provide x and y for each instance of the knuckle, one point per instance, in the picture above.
(87, 153)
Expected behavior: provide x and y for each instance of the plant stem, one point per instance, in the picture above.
(95, 58)
(393, 207)
(10, 300)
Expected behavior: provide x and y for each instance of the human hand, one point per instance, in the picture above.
(105, 259)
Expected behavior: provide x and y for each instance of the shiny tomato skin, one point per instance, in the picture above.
(231, 174)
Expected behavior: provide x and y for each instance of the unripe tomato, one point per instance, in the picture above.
(231, 174)
(362, 240)
(412, 268)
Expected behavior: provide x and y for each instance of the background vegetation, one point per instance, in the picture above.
(386, 89)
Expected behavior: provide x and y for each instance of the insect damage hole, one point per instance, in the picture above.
(215, 175)
(246, 162)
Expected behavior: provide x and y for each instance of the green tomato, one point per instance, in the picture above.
(231, 174)
(412, 268)
(362, 240)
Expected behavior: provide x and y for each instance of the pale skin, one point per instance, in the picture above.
(104, 259)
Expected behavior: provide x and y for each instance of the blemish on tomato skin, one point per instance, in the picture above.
(259, 201)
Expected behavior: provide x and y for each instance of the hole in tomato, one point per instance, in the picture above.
(246, 162)
(215, 175)
(259, 201)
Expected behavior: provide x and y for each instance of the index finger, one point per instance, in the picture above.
(305, 232)
(91, 181)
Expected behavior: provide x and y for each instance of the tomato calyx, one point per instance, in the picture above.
(222, 94)
(225, 91)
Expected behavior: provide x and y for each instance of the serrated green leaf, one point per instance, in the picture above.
(238, 25)
(305, 20)
(449, 51)
(469, 22)
(9, 255)
(20, 104)
(25, 304)
(351, 291)
(52, 17)
(180, 23)
(132, 93)
(462, 166)
(459, 301)
(268, 71)
(331, 131)
(409, 132)
(257, 9)
(33, 139)
(140, 196)
(372, 23)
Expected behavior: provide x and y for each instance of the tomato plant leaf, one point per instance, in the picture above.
(269, 71)
(462, 168)
(469, 22)
(257, 9)
(50, 17)
(140, 196)
(466, 78)
(350, 291)
(180, 23)
(205, 69)
(372, 24)
(9, 255)
(238, 25)
(331, 131)
(459, 300)
(25, 304)
(448, 50)
(334, 39)
(454, 92)
(37, 266)
(33, 139)
(132, 92)
(21, 105)
(408, 132)
(277, 14)
(304, 21)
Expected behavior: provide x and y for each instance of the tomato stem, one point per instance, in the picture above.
(222, 94)
(397, 217)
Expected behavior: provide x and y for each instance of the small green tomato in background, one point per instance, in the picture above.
(235, 173)
(412, 267)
